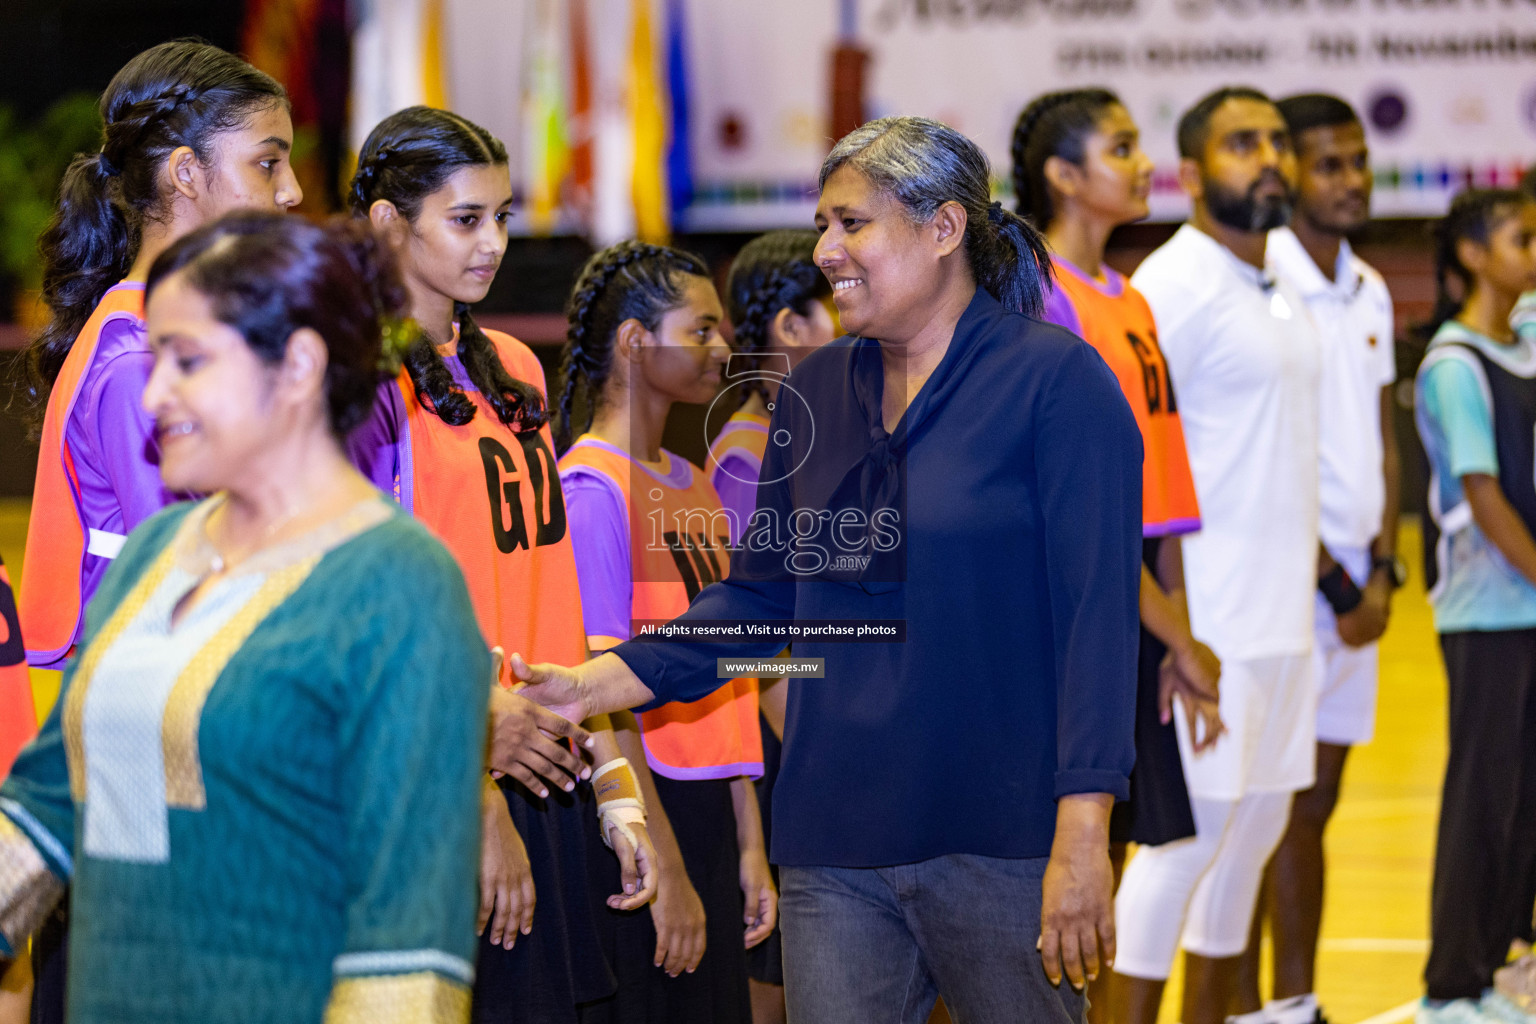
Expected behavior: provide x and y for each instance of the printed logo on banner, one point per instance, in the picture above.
(1388, 111)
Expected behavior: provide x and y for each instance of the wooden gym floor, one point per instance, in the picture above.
(1376, 921)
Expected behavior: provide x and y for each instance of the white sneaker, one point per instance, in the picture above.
(1515, 983)
(1457, 1011)
(1499, 1007)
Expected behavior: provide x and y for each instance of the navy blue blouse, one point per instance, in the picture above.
(1001, 521)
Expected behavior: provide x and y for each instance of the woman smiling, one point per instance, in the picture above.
(261, 777)
(943, 802)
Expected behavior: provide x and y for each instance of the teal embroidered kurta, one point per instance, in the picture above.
(268, 812)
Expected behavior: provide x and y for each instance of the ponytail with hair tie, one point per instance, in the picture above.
(1011, 262)
(175, 94)
(924, 164)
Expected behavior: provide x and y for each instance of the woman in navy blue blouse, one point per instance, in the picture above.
(971, 477)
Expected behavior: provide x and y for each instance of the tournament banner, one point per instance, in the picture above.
(1447, 88)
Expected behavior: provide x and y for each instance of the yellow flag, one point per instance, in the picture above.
(647, 111)
(434, 88)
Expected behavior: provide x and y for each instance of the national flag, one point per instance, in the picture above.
(648, 120)
(546, 149)
(397, 61)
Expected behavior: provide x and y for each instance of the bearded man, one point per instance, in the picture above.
(1243, 356)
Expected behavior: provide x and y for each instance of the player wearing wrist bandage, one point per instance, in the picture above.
(620, 804)
(1245, 358)
(1357, 523)
(461, 439)
(650, 533)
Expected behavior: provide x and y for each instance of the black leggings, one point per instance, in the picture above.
(50, 947)
(1485, 853)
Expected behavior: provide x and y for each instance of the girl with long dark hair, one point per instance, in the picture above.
(190, 132)
(260, 778)
(1476, 412)
(649, 534)
(461, 439)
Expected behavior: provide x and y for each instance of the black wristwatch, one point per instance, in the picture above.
(1396, 569)
(1339, 590)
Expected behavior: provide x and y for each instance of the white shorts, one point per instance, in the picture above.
(1346, 676)
(1269, 706)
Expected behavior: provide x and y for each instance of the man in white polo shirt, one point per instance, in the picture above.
(1243, 358)
(1358, 497)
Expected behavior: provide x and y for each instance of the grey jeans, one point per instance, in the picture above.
(879, 945)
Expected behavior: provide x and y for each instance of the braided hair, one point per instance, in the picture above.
(1055, 124)
(924, 164)
(772, 272)
(629, 281)
(1474, 214)
(176, 94)
(407, 157)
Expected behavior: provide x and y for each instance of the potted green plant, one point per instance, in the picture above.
(33, 157)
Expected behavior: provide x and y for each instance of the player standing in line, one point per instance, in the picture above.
(467, 417)
(781, 308)
(1079, 172)
(1358, 569)
(190, 132)
(1241, 346)
(1475, 405)
(781, 311)
(650, 534)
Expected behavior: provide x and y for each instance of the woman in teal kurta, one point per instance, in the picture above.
(262, 778)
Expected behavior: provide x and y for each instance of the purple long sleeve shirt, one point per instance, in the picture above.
(112, 440)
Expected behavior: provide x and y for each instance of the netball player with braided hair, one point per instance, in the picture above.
(650, 533)
(461, 438)
(1078, 173)
(190, 132)
(781, 308)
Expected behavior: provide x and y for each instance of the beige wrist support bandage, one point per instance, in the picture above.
(619, 802)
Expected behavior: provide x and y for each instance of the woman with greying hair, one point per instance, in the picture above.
(961, 472)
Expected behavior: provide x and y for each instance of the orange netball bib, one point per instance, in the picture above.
(18, 715)
(1119, 325)
(493, 497)
(57, 538)
(679, 545)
